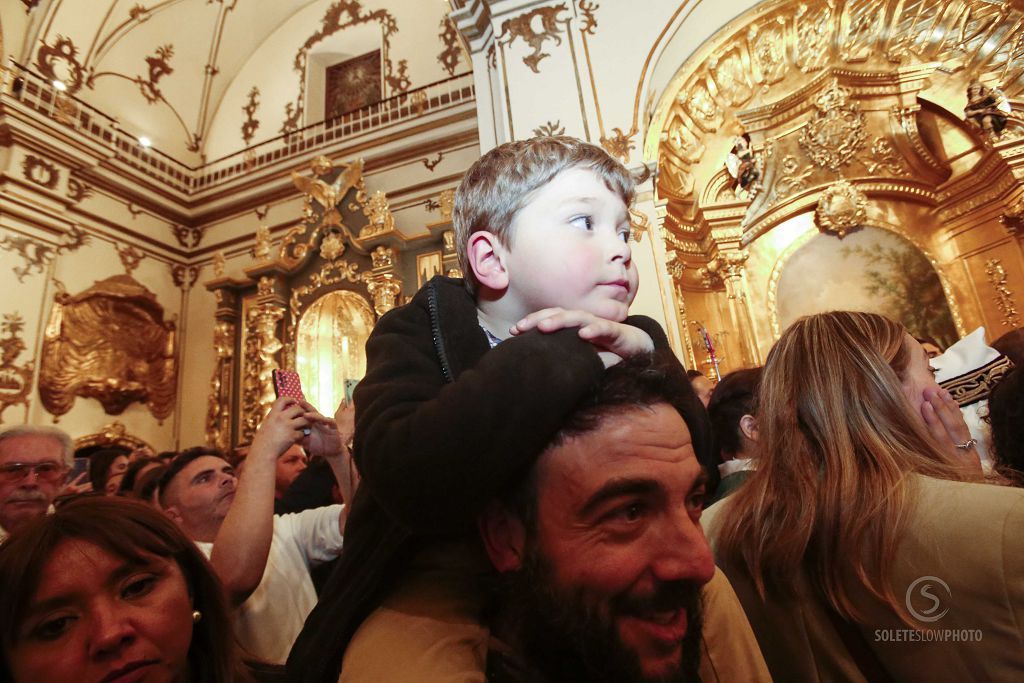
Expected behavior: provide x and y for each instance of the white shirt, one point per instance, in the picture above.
(270, 619)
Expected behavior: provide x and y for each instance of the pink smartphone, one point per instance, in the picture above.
(287, 383)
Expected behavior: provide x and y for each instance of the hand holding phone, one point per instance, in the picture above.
(287, 383)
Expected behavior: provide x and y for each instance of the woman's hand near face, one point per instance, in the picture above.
(946, 423)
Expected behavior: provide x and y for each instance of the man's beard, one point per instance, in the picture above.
(563, 638)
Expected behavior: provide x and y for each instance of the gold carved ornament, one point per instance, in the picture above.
(113, 434)
(837, 132)
(261, 252)
(15, 379)
(378, 210)
(1003, 296)
(321, 211)
(261, 347)
(218, 416)
(384, 289)
(110, 343)
(841, 208)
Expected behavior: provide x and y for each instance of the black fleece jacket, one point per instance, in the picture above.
(444, 424)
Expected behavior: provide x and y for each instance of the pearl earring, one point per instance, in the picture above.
(196, 616)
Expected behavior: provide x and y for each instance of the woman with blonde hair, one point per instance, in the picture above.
(866, 546)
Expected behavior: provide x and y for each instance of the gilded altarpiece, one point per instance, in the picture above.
(842, 116)
(344, 258)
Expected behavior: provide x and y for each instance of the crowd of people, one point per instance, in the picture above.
(530, 487)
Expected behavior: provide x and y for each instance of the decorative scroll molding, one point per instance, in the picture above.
(218, 413)
(15, 378)
(431, 164)
(1003, 298)
(977, 384)
(330, 274)
(639, 225)
(77, 190)
(113, 434)
(522, 27)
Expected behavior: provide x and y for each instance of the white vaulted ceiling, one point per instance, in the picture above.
(181, 72)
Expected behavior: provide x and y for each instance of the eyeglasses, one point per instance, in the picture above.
(45, 471)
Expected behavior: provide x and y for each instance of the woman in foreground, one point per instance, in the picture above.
(109, 589)
(866, 546)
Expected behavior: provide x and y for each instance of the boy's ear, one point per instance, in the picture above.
(748, 425)
(504, 537)
(487, 259)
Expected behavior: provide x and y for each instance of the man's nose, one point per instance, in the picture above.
(31, 480)
(111, 630)
(228, 480)
(682, 552)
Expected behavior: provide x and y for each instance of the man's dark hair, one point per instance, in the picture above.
(733, 397)
(1011, 345)
(1006, 417)
(636, 382)
(131, 474)
(180, 462)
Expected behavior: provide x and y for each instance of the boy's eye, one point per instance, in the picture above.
(624, 233)
(585, 222)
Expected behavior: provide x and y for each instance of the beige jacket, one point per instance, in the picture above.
(969, 536)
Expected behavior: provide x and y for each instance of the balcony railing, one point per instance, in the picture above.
(39, 95)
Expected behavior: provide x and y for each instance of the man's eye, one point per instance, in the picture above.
(52, 629)
(138, 587)
(630, 513)
(584, 222)
(696, 501)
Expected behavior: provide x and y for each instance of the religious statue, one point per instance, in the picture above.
(987, 107)
(743, 166)
(261, 252)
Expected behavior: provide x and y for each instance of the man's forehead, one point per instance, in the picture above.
(203, 462)
(30, 448)
(630, 440)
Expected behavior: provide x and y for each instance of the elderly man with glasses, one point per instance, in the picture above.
(34, 464)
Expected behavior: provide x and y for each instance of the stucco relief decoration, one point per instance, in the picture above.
(331, 273)
(37, 255)
(332, 246)
(451, 55)
(15, 378)
(339, 16)
(78, 190)
(184, 277)
(218, 417)
(1013, 218)
(187, 237)
(883, 159)
(59, 62)
(1003, 298)
(219, 263)
(113, 434)
(619, 144)
(548, 129)
(841, 208)
(832, 138)
(130, 257)
(535, 28)
(446, 203)
(250, 124)
(863, 21)
(110, 343)
(40, 171)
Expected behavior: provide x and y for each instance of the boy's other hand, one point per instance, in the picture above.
(614, 341)
(281, 428)
(323, 438)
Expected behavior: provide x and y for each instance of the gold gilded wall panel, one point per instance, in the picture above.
(110, 343)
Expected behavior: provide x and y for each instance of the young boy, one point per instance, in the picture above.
(449, 410)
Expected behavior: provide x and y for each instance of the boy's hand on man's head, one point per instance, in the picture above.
(280, 429)
(614, 340)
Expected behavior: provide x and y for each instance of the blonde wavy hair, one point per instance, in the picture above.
(837, 441)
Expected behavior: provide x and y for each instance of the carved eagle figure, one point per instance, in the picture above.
(330, 195)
